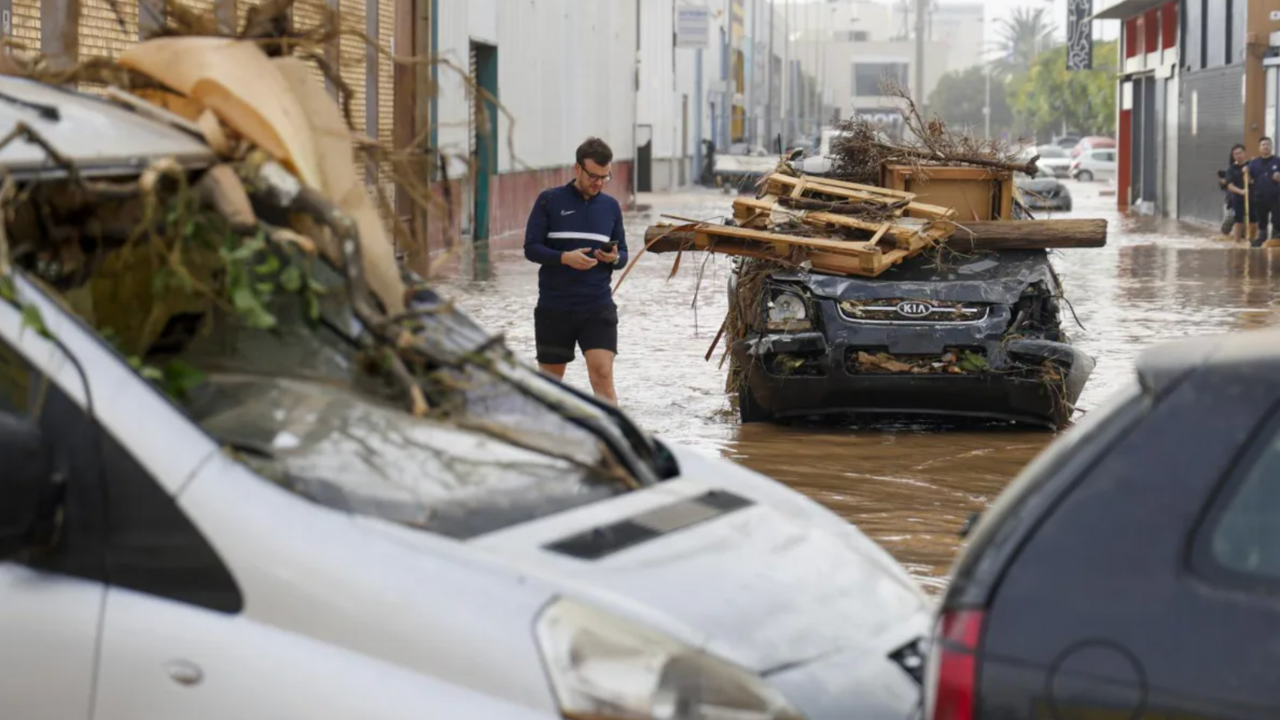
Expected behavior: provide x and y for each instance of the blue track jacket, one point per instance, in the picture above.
(561, 220)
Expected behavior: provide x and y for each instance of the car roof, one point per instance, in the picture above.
(1248, 352)
(98, 136)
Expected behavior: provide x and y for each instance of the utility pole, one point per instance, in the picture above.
(919, 80)
(788, 92)
(986, 108)
(768, 72)
(726, 115)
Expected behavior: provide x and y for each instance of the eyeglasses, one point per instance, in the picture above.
(598, 178)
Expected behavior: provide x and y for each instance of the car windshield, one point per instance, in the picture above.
(300, 405)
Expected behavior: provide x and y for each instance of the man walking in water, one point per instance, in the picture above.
(575, 233)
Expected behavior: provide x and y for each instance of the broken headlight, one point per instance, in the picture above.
(787, 311)
(605, 668)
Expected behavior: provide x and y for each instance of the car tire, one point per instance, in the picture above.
(749, 410)
(1084, 176)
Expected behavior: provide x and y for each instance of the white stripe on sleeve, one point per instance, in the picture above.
(597, 237)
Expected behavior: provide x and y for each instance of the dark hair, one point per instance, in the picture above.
(1264, 139)
(595, 150)
(1231, 158)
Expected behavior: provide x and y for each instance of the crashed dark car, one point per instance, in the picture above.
(965, 336)
(1043, 193)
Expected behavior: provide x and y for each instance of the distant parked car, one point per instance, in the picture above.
(1067, 142)
(1054, 160)
(1093, 142)
(1094, 165)
(1043, 193)
(1132, 569)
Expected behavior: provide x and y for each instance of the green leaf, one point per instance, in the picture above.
(151, 372)
(7, 289)
(31, 318)
(313, 307)
(972, 362)
(291, 279)
(251, 309)
(180, 378)
(270, 266)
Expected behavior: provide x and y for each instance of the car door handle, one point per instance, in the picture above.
(184, 672)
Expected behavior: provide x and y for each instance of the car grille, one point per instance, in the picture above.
(907, 311)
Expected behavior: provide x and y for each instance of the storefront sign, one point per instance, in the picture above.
(693, 25)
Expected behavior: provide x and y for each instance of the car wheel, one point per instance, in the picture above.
(749, 410)
(1084, 176)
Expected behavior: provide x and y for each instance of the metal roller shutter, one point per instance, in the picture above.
(307, 15)
(26, 23)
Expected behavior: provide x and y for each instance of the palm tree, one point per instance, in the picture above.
(1024, 36)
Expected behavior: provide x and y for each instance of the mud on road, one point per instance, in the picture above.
(908, 487)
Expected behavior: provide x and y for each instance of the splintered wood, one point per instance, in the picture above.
(829, 225)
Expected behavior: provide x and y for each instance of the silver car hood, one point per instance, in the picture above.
(758, 574)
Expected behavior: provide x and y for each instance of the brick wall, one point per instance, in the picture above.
(1219, 125)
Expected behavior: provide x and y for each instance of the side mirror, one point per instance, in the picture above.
(27, 485)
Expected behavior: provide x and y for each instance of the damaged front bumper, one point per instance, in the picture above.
(803, 374)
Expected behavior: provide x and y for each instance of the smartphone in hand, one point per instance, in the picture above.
(609, 246)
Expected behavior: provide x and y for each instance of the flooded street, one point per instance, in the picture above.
(908, 488)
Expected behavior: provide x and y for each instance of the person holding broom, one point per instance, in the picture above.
(1237, 184)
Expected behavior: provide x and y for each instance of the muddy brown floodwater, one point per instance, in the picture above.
(909, 488)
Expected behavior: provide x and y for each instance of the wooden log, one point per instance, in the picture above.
(992, 235)
(1028, 235)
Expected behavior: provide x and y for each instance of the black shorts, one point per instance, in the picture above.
(1236, 203)
(557, 331)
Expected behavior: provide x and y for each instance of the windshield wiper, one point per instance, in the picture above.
(46, 112)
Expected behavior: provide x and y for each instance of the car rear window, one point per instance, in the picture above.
(1243, 531)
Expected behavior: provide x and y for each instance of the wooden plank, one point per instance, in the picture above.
(832, 182)
(866, 193)
(787, 185)
(902, 232)
(880, 233)
(844, 247)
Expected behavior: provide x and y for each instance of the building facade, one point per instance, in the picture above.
(1198, 76)
(1149, 88)
(560, 72)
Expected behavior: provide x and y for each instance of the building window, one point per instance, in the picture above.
(867, 77)
(852, 36)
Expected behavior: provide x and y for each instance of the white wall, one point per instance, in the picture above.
(565, 72)
(657, 104)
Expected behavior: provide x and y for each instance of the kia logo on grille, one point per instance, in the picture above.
(914, 309)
